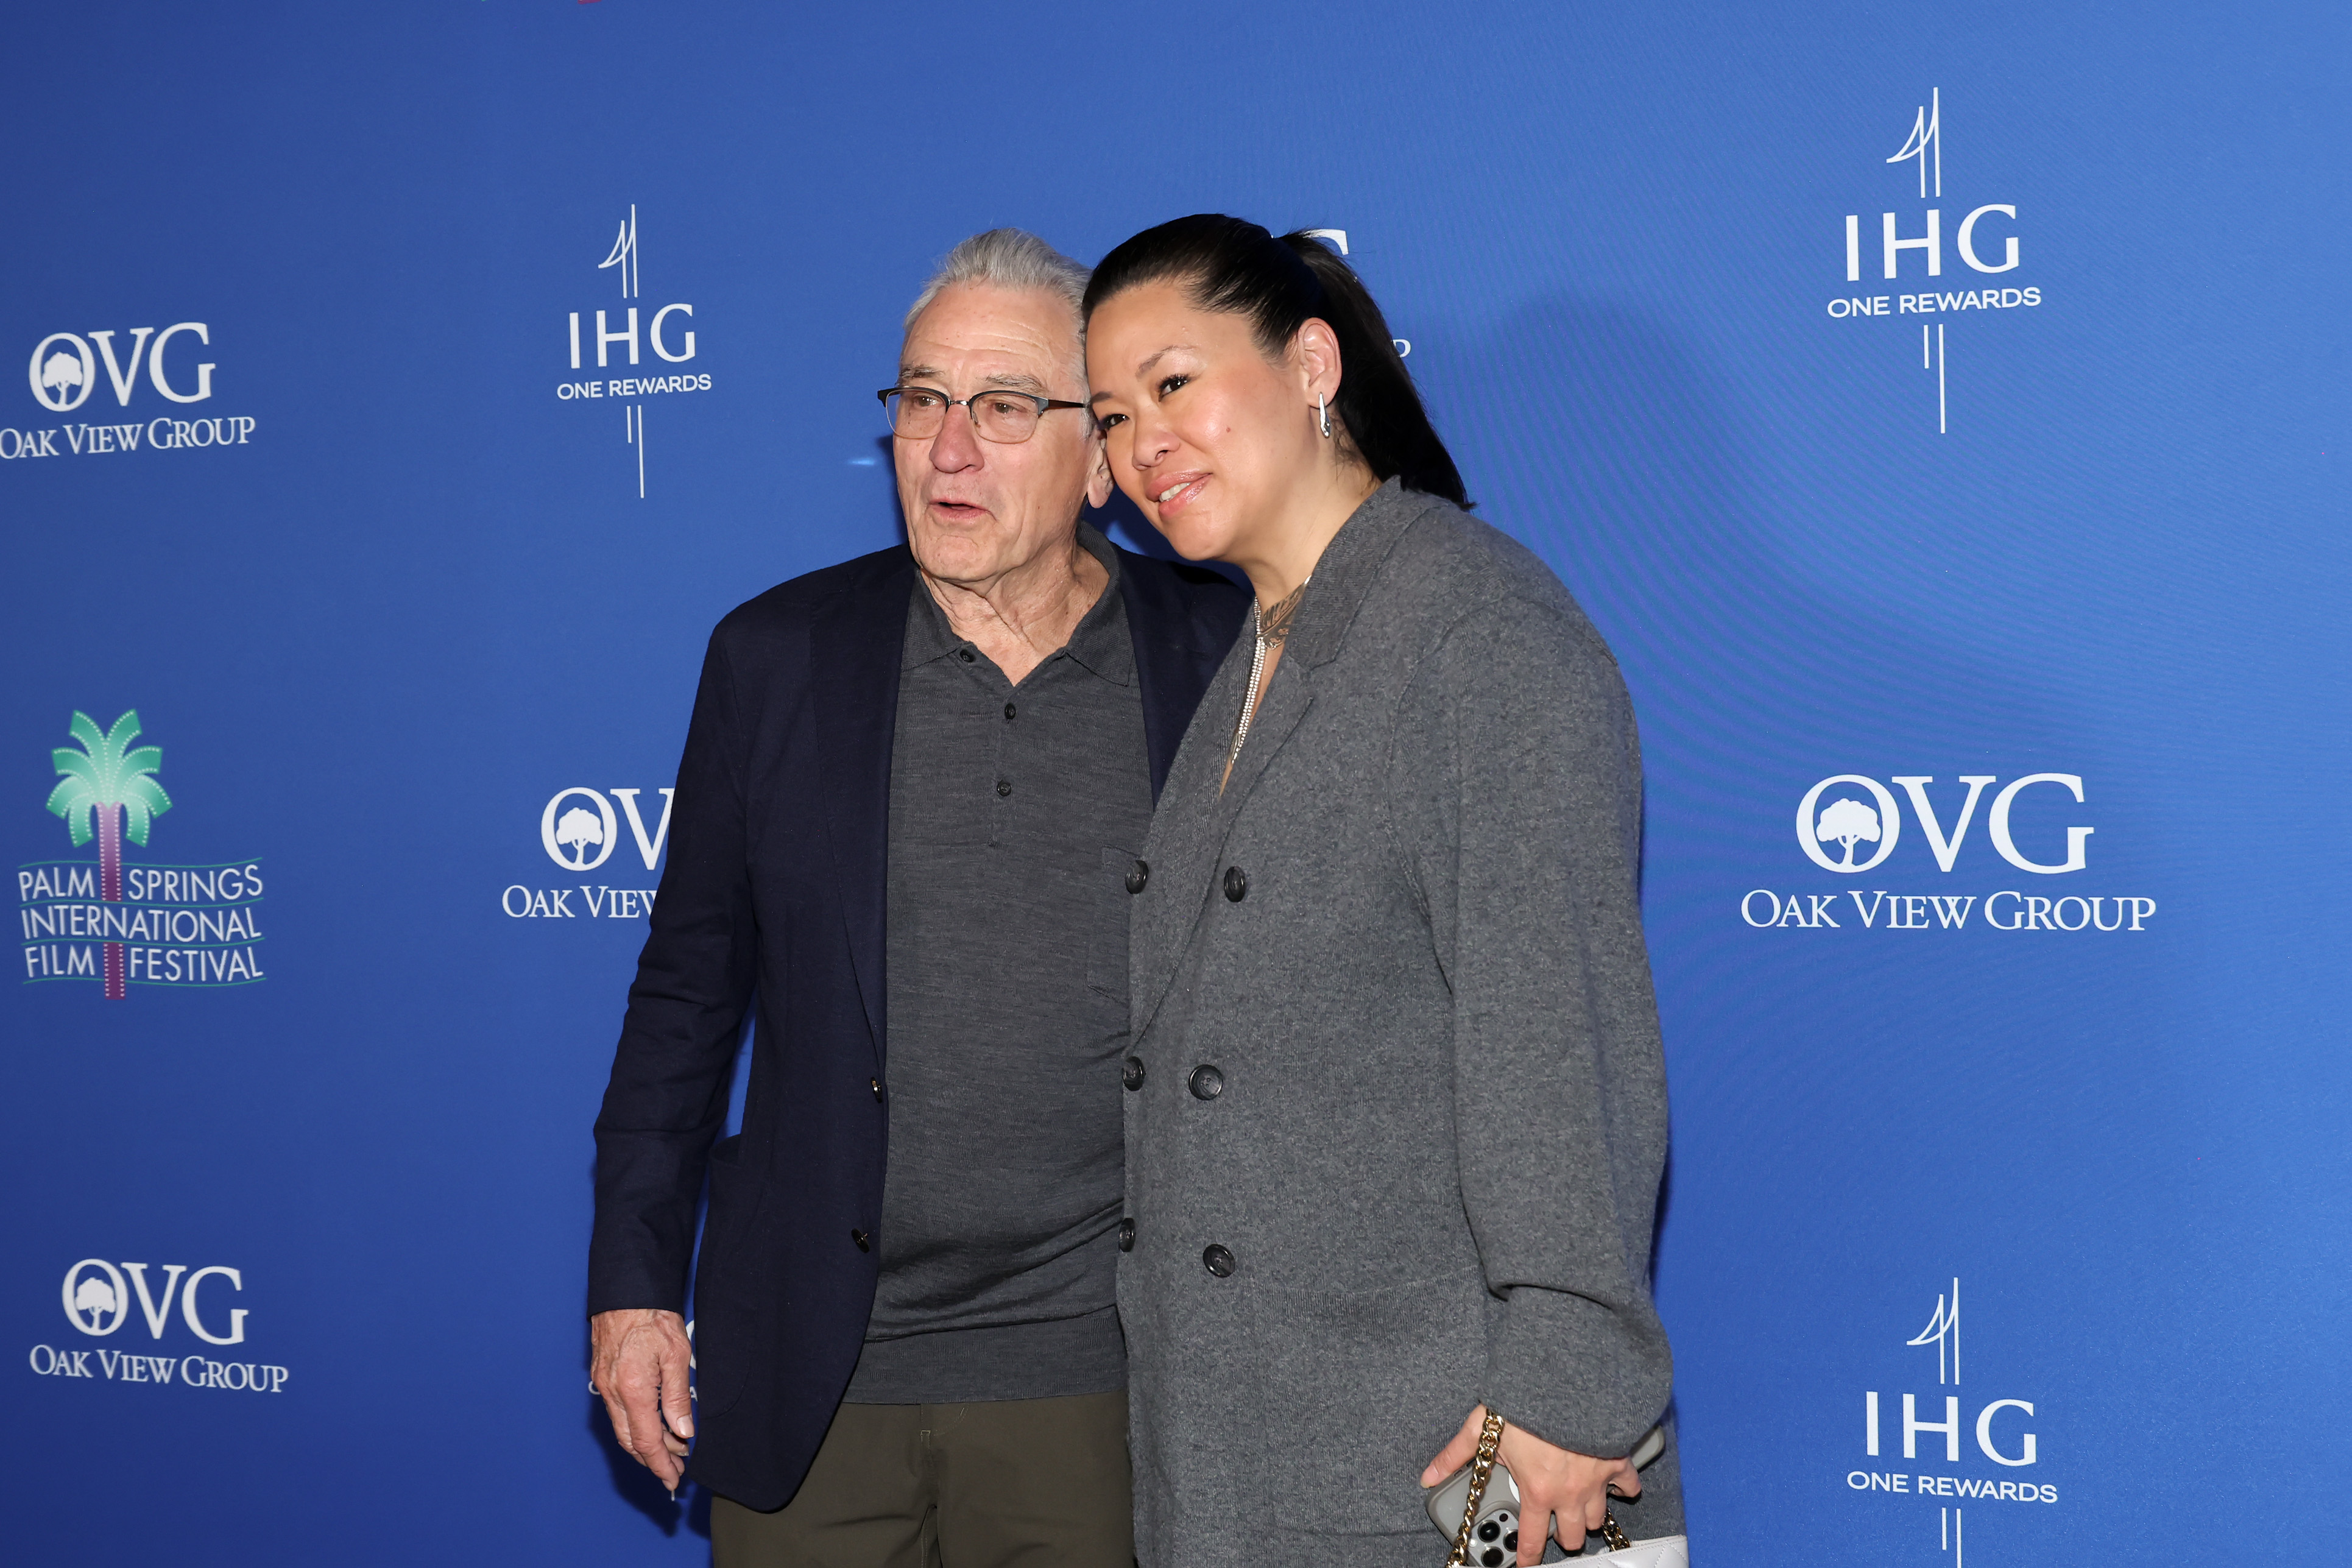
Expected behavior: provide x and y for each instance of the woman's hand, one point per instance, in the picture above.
(1559, 1493)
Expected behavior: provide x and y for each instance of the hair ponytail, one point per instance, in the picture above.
(1233, 265)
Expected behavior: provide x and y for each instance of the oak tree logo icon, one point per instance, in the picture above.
(1846, 821)
(94, 1299)
(580, 828)
(61, 371)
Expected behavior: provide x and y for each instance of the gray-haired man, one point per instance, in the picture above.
(907, 818)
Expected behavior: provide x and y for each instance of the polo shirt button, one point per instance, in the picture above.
(878, 1089)
(1127, 1236)
(1003, 787)
(1008, 711)
(1236, 883)
(965, 654)
(1217, 1260)
(1130, 1072)
(1137, 877)
(1206, 1082)
(860, 1238)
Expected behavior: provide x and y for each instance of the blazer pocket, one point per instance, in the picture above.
(1107, 938)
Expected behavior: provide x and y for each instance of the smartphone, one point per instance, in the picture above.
(1495, 1537)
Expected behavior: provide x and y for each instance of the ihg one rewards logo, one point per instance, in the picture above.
(1962, 1451)
(101, 1299)
(1850, 824)
(667, 334)
(1905, 254)
(119, 925)
(160, 412)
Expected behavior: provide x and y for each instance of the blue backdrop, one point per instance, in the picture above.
(1914, 395)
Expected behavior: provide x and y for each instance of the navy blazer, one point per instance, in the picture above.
(778, 850)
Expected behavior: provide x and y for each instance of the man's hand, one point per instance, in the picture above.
(637, 1359)
(1556, 1487)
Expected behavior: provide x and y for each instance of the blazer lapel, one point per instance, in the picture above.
(1194, 819)
(858, 641)
(1187, 831)
(1180, 640)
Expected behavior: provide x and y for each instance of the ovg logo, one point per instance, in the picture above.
(578, 828)
(1846, 810)
(148, 925)
(98, 1298)
(68, 368)
(65, 372)
(1851, 824)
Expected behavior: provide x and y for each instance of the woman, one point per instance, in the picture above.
(1398, 1115)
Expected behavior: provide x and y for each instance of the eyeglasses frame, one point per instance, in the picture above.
(1044, 405)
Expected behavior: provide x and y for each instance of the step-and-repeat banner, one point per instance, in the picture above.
(1943, 412)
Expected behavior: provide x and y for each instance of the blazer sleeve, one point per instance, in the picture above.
(1516, 771)
(667, 1099)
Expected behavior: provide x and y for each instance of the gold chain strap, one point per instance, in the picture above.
(1481, 1468)
(1611, 1533)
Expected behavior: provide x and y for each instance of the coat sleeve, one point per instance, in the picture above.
(1516, 774)
(667, 1099)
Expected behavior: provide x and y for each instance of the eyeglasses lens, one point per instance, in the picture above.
(918, 412)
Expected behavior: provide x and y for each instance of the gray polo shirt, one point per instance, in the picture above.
(1015, 813)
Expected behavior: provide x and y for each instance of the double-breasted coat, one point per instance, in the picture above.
(1396, 1116)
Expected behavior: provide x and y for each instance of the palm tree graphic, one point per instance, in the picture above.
(110, 782)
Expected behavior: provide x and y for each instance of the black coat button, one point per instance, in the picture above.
(1003, 787)
(1138, 875)
(878, 1089)
(1008, 711)
(1206, 1082)
(859, 1237)
(1127, 1236)
(1216, 1261)
(1130, 1072)
(1236, 884)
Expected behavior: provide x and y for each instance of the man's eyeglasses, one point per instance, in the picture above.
(919, 413)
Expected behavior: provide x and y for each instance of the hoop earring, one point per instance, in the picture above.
(1323, 416)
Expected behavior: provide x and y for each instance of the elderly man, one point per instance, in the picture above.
(908, 815)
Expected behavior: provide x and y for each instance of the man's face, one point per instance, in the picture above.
(978, 509)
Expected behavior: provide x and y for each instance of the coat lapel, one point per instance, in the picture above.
(1181, 638)
(1194, 820)
(1187, 831)
(859, 640)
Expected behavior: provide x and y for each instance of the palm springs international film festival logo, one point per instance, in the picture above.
(66, 369)
(1931, 1433)
(98, 1299)
(1849, 825)
(579, 829)
(1907, 250)
(608, 335)
(141, 925)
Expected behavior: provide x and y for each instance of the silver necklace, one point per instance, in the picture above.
(1283, 613)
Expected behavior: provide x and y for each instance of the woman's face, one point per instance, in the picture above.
(1209, 438)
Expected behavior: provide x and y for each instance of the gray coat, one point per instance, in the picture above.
(1407, 938)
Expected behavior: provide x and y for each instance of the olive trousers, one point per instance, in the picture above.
(1007, 1483)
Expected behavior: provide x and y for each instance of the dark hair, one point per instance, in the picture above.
(1233, 265)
